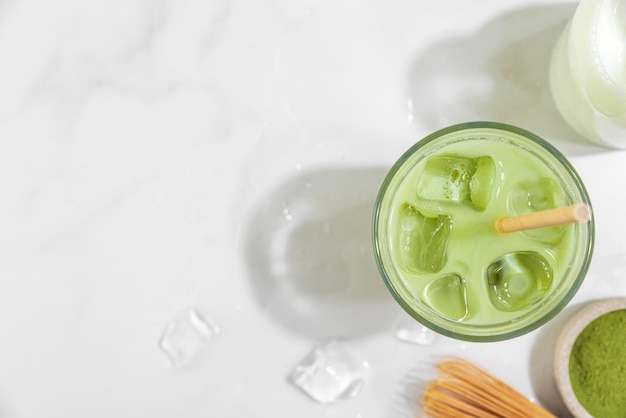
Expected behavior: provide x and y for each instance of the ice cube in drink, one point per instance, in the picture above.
(536, 195)
(423, 239)
(447, 295)
(457, 179)
(517, 280)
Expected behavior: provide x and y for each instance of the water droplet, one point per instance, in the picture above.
(409, 105)
(409, 330)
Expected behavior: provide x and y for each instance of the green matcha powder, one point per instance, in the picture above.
(597, 366)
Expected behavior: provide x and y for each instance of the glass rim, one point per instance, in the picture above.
(496, 336)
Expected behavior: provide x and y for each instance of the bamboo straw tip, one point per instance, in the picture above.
(582, 212)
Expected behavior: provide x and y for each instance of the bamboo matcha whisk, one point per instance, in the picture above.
(464, 390)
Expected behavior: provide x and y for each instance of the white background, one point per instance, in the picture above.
(161, 155)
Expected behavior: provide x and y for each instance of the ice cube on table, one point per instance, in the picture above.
(330, 373)
(186, 336)
(518, 279)
(423, 240)
(451, 178)
(448, 296)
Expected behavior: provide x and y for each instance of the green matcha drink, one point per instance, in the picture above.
(437, 247)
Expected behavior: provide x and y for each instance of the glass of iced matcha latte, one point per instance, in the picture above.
(438, 247)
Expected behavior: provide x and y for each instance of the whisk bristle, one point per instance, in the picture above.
(464, 390)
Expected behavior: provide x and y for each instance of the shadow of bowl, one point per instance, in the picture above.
(542, 362)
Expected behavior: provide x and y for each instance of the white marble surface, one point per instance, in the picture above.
(161, 155)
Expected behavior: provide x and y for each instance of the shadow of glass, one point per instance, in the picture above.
(310, 258)
(542, 362)
(500, 73)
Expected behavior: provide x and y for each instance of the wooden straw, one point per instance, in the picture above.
(560, 216)
(464, 390)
